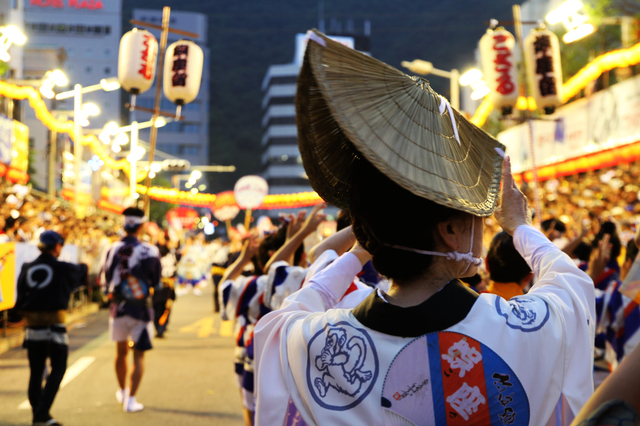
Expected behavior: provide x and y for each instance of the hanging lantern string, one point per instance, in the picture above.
(621, 58)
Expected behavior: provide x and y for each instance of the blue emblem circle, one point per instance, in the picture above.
(342, 366)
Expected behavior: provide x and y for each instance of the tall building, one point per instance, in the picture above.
(84, 36)
(281, 160)
(188, 138)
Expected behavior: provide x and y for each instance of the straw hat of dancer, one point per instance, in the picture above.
(351, 108)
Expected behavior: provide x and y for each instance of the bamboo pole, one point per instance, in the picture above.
(166, 12)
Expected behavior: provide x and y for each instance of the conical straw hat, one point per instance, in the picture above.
(350, 106)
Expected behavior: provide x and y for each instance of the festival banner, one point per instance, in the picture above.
(182, 217)
(6, 133)
(7, 273)
(604, 120)
(20, 147)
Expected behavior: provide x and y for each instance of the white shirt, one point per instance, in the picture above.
(503, 363)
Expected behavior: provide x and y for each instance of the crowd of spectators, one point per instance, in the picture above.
(584, 201)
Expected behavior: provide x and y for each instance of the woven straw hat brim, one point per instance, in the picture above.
(351, 107)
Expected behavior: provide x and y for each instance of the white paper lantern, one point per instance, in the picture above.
(250, 191)
(137, 61)
(182, 71)
(497, 48)
(544, 70)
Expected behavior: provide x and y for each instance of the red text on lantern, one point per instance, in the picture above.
(503, 65)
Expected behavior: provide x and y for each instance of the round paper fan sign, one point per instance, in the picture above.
(250, 191)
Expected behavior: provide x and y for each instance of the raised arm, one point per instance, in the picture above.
(249, 248)
(566, 291)
(294, 241)
(339, 242)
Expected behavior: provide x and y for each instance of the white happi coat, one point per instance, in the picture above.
(500, 363)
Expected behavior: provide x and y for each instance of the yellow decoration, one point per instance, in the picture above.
(617, 59)
(20, 147)
(482, 112)
(216, 201)
(7, 276)
(42, 113)
(621, 58)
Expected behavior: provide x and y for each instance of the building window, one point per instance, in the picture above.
(107, 30)
(107, 53)
(71, 51)
(284, 160)
(88, 70)
(107, 70)
(189, 150)
(191, 128)
(89, 52)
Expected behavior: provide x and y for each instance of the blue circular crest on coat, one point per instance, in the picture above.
(342, 366)
(525, 313)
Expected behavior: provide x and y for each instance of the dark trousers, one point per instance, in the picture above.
(158, 312)
(41, 398)
(216, 301)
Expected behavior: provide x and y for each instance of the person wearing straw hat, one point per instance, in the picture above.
(429, 351)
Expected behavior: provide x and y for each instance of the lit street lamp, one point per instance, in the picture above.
(10, 35)
(79, 111)
(423, 67)
(136, 152)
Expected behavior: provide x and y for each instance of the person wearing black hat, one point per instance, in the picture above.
(130, 270)
(44, 288)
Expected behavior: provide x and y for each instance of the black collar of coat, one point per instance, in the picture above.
(444, 309)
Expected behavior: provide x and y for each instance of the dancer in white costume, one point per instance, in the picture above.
(429, 351)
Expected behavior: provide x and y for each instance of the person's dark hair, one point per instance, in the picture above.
(609, 228)
(272, 243)
(560, 226)
(9, 223)
(344, 220)
(46, 248)
(402, 218)
(505, 264)
(582, 251)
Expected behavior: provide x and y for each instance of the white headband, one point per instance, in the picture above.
(131, 221)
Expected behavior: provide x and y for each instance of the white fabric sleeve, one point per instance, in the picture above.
(270, 335)
(324, 260)
(569, 292)
(332, 282)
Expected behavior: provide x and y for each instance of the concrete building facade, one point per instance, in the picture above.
(83, 37)
(281, 159)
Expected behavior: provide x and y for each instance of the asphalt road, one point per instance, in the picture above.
(188, 379)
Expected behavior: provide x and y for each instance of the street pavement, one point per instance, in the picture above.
(188, 378)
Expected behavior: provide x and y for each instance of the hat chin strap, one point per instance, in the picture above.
(451, 255)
